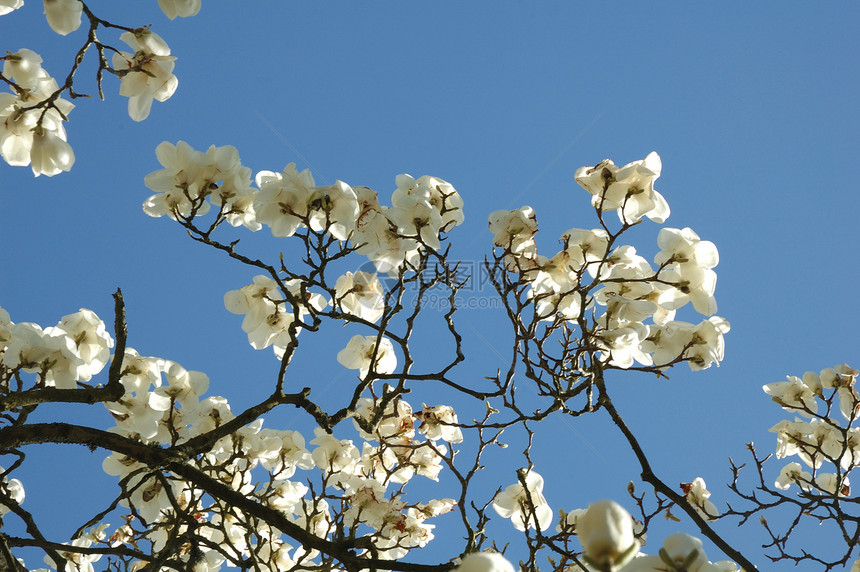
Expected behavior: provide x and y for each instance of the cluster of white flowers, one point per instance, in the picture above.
(362, 483)
(585, 272)
(819, 439)
(32, 132)
(31, 129)
(73, 351)
(392, 237)
(358, 478)
(189, 177)
(164, 404)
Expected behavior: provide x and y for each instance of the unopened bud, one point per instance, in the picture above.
(485, 562)
(606, 534)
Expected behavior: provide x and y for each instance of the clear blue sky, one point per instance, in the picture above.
(752, 107)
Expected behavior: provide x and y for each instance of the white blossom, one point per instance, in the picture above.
(64, 16)
(50, 154)
(24, 67)
(439, 422)
(14, 489)
(793, 395)
(147, 73)
(697, 495)
(7, 6)
(792, 473)
(181, 8)
(282, 202)
(91, 340)
(484, 562)
(363, 354)
(514, 231)
(333, 209)
(628, 189)
(513, 503)
(360, 294)
(606, 533)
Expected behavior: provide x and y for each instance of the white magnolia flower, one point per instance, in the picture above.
(50, 154)
(92, 342)
(395, 424)
(554, 288)
(684, 247)
(513, 503)
(147, 73)
(708, 344)
(34, 136)
(697, 495)
(361, 353)
(16, 130)
(360, 294)
(484, 562)
(24, 68)
(439, 422)
(425, 208)
(282, 202)
(181, 8)
(33, 350)
(628, 189)
(64, 16)
(832, 484)
(793, 473)
(587, 248)
(79, 562)
(183, 387)
(419, 220)
(6, 324)
(437, 194)
(286, 495)
(680, 552)
(333, 209)
(269, 317)
(606, 534)
(621, 346)
(793, 395)
(179, 187)
(569, 520)
(792, 439)
(14, 489)
(842, 378)
(333, 455)
(514, 231)
(427, 460)
(7, 6)
(190, 176)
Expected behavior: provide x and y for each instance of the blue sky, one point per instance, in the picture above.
(752, 107)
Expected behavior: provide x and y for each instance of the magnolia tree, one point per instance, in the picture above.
(202, 487)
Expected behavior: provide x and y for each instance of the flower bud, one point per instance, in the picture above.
(64, 16)
(606, 534)
(484, 562)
